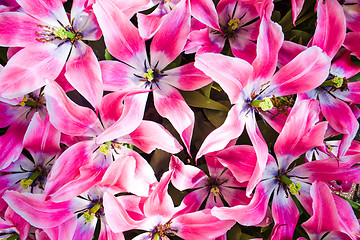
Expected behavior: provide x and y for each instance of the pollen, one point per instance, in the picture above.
(338, 81)
(266, 104)
(105, 148)
(149, 76)
(215, 191)
(294, 188)
(233, 23)
(63, 34)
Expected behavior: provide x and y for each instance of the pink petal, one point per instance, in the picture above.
(205, 12)
(169, 41)
(300, 134)
(340, 117)
(85, 21)
(129, 173)
(243, 48)
(131, 7)
(294, 76)
(82, 166)
(149, 24)
(342, 66)
(41, 136)
(186, 77)
(112, 106)
(49, 11)
(288, 51)
(38, 212)
(232, 74)
(122, 39)
(150, 135)
(330, 169)
(67, 116)
(261, 150)
(18, 29)
(247, 215)
(351, 43)
(192, 201)
(159, 201)
(325, 216)
(11, 144)
(116, 215)
(171, 105)
(285, 214)
(296, 6)
(10, 114)
(331, 19)
(131, 116)
(65, 230)
(83, 73)
(186, 176)
(20, 223)
(117, 75)
(230, 130)
(38, 63)
(197, 225)
(240, 160)
(269, 42)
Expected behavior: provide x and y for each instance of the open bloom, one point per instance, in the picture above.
(157, 215)
(239, 24)
(256, 89)
(283, 181)
(336, 93)
(137, 71)
(87, 161)
(50, 42)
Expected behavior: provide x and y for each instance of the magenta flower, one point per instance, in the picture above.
(220, 184)
(157, 215)
(301, 132)
(86, 162)
(50, 42)
(203, 10)
(239, 24)
(137, 71)
(255, 88)
(336, 93)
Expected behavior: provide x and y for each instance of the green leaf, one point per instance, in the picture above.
(108, 56)
(215, 117)
(196, 99)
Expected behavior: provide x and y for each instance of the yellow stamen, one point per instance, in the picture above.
(338, 81)
(294, 188)
(89, 214)
(265, 104)
(149, 75)
(26, 182)
(105, 148)
(215, 191)
(233, 23)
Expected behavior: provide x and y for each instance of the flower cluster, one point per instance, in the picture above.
(125, 119)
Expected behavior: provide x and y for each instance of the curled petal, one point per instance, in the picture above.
(83, 73)
(171, 105)
(67, 116)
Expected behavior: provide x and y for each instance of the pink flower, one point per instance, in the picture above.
(136, 71)
(50, 42)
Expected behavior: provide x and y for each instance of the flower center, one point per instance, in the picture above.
(67, 33)
(90, 213)
(36, 178)
(336, 83)
(161, 231)
(287, 184)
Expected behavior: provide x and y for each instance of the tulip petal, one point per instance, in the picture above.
(83, 73)
(169, 41)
